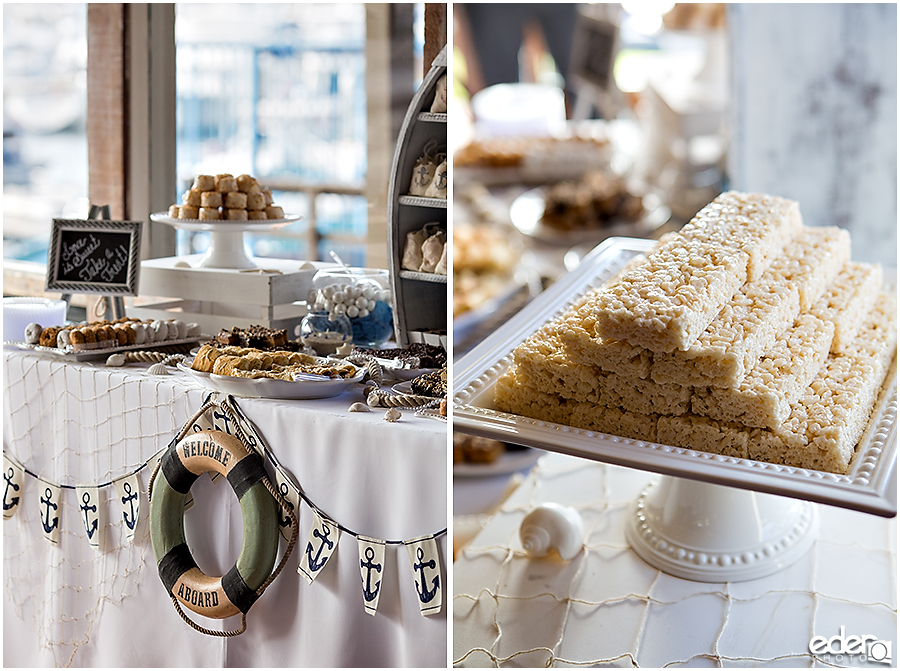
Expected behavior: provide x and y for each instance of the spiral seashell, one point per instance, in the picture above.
(116, 360)
(552, 527)
(392, 415)
(373, 371)
(158, 369)
(359, 407)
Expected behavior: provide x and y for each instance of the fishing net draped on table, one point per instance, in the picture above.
(62, 588)
(608, 607)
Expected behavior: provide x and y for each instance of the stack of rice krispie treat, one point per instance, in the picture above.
(746, 334)
(227, 198)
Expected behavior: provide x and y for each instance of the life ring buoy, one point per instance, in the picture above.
(184, 462)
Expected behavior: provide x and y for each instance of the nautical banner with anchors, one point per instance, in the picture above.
(50, 510)
(89, 512)
(128, 493)
(320, 545)
(425, 562)
(13, 486)
(285, 484)
(371, 570)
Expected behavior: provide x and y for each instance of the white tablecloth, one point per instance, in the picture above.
(84, 423)
(607, 607)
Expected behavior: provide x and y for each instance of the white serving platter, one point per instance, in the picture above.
(301, 389)
(511, 461)
(870, 486)
(527, 214)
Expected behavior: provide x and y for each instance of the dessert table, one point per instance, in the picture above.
(72, 423)
(607, 607)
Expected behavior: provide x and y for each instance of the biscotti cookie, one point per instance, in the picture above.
(665, 304)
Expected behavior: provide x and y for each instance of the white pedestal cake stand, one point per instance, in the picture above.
(226, 238)
(710, 517)
(710, 533)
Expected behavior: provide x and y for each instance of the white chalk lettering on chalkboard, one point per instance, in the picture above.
(116, 264)
(74, 255)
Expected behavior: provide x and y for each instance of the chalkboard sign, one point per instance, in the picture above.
(93, 256)
(594, 47)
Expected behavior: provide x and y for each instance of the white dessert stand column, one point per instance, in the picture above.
(712, 533)
(226, 239)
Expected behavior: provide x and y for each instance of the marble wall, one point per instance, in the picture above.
(814, 114)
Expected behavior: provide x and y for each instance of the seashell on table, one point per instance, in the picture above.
(552, 527)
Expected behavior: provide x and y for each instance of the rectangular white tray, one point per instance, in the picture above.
(870, 486)
(96, 354)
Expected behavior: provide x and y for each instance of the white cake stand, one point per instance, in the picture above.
(709, 517)
(710, 533)
(226, 238)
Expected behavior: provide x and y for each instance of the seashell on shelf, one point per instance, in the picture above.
(115, 360)
(552, 527)
(158, 369)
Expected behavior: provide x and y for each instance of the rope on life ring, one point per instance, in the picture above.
(234, 593)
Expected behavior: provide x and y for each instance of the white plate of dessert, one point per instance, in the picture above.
(869, 484)
(527, 214)
(304, 387)
(509, 462)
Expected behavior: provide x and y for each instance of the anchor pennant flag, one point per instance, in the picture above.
(90, 510)
(292, 495)
(252, 437)
(425, 561)
(50, 510)
(13, 486)
(321, 544)
(128, 491)
(228, 417)
(371, 570)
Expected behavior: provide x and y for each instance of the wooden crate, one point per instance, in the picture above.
(273, 295)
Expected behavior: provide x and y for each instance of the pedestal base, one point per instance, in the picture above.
(226, 250)
(710, 533)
